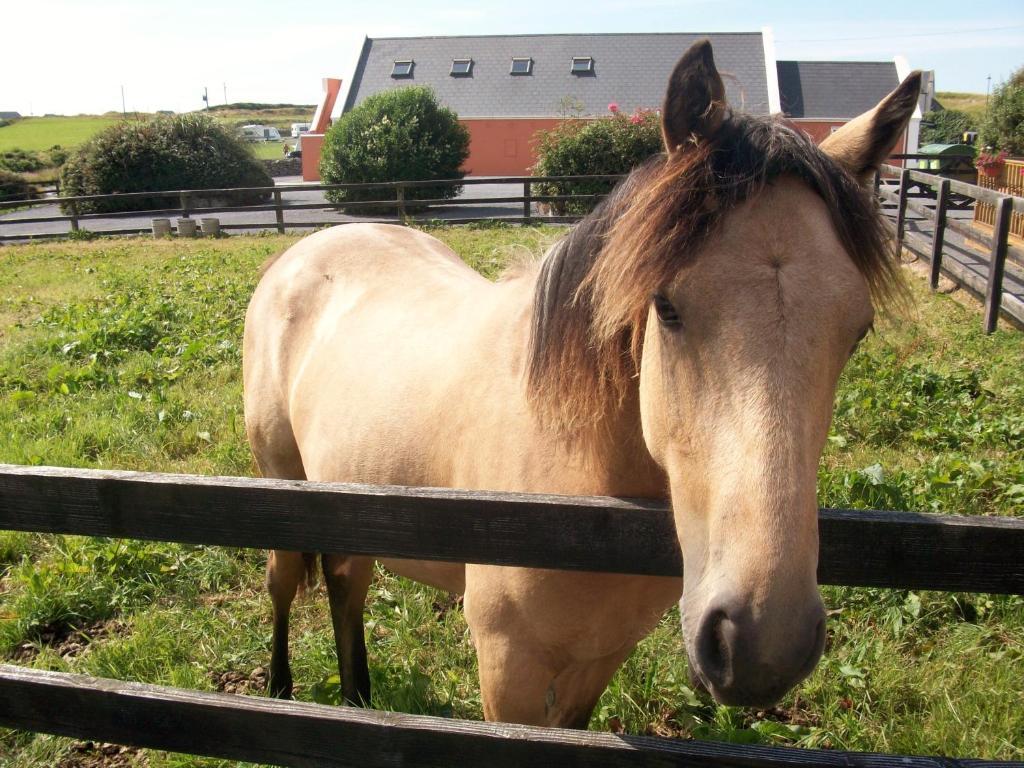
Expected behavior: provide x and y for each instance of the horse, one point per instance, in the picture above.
(684, 340)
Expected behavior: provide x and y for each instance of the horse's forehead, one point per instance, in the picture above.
(780, 246)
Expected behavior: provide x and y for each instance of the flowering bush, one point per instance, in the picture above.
(991, 163)
(607, 145)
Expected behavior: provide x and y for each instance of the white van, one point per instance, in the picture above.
(260, 133)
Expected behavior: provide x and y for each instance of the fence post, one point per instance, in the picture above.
(74, 215)
(185, 199)
(527, 199)
(997, 263)
(878, 182)
(400, 196)
(901, 211)
(279, 211)
(939, 236)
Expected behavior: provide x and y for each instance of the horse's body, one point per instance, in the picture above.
(433, 355)
(373, 354)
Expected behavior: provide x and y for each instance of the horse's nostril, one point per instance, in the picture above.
(714, 651)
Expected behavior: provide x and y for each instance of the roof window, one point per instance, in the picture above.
(461, 67)
(521, 66)
(402, 68)
(582, 65)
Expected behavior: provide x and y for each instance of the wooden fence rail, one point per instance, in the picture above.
(997, 242)
(857, 547)
(896, 549)
(304, 735)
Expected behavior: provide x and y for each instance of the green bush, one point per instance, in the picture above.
(609, 145)
(191, 151)
(398, 135)
(20, 161)
(14, 187)
(945, 126)
(1003, 127)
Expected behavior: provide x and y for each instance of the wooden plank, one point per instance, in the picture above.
(901, 209)
(278, 212)
(938, 236)
(997, 264)
(867, 548)
(298, 734)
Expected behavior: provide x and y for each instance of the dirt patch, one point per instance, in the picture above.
(233, 681)
(68, 641)
(91, 754)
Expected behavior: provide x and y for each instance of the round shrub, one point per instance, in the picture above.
(190, 151)
(608, 145)
(402, 134)
(14, 187)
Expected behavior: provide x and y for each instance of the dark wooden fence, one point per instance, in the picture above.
(393, 195)
(875, 548)
(990, 288)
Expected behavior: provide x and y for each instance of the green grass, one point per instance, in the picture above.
(125, 353)
(33, 134)
(974, 104)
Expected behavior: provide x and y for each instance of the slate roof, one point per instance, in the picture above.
(631, 70)
(9, 115)
(833, 89)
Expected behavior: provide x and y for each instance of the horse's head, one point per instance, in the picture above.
(738, 272)
(764, 254)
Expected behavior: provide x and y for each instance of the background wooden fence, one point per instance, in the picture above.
(393, 195)
(997, 242)
(895, 549)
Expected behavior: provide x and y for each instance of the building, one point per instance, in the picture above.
(818, 97)
(506, 88)
(10, 115)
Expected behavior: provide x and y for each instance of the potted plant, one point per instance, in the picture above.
(991, 163)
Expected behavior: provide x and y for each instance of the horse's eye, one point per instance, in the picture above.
(666, 312)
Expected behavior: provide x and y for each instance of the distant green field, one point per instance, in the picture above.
(971, 103)
(37, 133)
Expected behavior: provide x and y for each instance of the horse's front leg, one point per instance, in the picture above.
(348, 579)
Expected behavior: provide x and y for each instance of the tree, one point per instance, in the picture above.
(402, 134)
(1003, 127)
(945, 126)
(190, 151)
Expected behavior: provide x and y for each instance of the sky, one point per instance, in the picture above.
(71, 57)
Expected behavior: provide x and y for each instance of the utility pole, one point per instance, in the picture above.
(225, 93)
(124, 112)
(206, 97)
(988, 87)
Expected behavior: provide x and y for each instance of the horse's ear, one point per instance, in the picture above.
(695, 102)
(863, 143)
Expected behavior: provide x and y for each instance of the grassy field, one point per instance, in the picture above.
(125, 354)
(974, 104)
(34, 134)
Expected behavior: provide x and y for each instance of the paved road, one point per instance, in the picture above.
(9, 225)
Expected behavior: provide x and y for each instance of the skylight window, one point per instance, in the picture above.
(461, 67)
(582, 65)
(402, 68)
(522, 66)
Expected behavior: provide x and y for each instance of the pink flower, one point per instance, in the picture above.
(613, 108)
(636, 119)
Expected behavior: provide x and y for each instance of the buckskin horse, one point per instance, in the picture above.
(683, 340)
